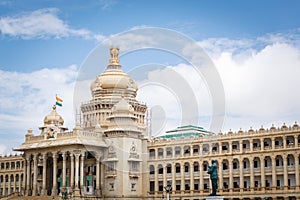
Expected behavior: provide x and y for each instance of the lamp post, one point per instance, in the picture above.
(168, 189)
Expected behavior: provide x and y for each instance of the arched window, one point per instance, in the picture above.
(177, 151)
(256, 163)
(235, 164)
(290, 160)
(225, 164)
(18, 164)
(186, 167)
(160, 169)
(152, 153)
(177, 168)
(160, 152)
(196, 167)
(187, 150)
(169, 168)
(205, 165)
(151, 169)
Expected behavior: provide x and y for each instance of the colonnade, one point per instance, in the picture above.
(245, 177)
(73, 161)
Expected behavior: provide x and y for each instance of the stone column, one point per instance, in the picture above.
(273, 142)
(44, 174)
(284, 141)
(285, 172)
(102, 176)
(201, 181)
(251, 174)
(98, 176)
(54, 188)
(262, 175)
(251, 145)
(230, 147)
(182, 178)
(155, 178)
(64, 170)
(296, 140)
(230, 175)
(34, 191)
(297, 170)
(220, 148)
(241, 175)
(192, 177)
(3, 185)
(241, 145)
(273, 172)
(72, 171)
(173, 176)
(220, 170)
(165, 175)
(15, 182)
(28, 188)
(20, 183)
(81, 172)
(76, 170)
(8, 184)
(24, 177)
(200, 149)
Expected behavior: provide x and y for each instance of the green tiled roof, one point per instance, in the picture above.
(185, 131)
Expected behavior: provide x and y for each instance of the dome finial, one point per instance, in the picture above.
(114, 56)
(54, 107)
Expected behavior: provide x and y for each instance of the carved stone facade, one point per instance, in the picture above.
(109, 157)
(262, 164)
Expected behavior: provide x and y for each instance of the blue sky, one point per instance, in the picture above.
(44, 43)
(197, 19)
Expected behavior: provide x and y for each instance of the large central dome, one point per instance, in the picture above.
(113, 81)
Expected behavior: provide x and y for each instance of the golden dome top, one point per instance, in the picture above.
(113, 81)
(53, 118)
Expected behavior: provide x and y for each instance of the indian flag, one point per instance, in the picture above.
(58, 101)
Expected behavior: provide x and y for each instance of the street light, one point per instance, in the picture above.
(168, 189)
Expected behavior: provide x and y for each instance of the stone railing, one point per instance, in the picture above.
(65, 135)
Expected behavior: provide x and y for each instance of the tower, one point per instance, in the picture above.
(114, 108)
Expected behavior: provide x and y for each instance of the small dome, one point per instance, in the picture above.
(261, 130)
(251, 131)
(240, 131)
(295, 126)
(284, 127)
(273, 128)
(53, 118)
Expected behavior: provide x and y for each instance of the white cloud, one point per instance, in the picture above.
(43, 23)
(178, 96)
(25, 98)
(261, 88)
(261, 84)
